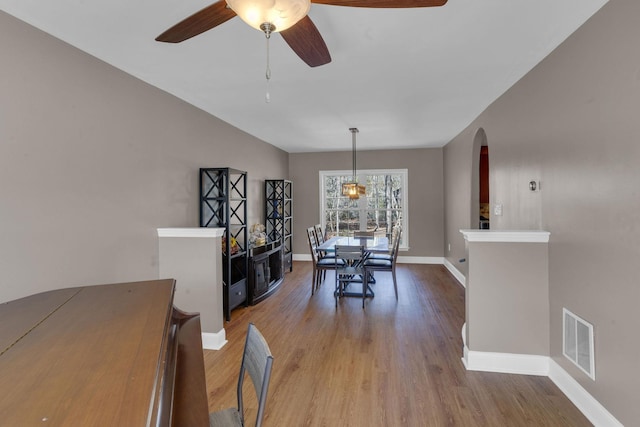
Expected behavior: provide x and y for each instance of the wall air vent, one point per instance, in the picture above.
(577, 342)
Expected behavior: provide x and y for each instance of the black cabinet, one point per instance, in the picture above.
(223, 203)
(266, 271)
(279, 216)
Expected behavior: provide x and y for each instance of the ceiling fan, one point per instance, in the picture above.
(289, 17)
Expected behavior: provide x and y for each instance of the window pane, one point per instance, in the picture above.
(332, 186)
(344, 203)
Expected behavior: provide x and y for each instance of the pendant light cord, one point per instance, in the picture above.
(353, 148)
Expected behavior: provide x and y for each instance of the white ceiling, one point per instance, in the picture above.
(406, 78)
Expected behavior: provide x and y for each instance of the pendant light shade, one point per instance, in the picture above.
(352, 189)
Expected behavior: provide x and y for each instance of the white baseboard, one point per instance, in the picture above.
(214, 340)
(401, 259)
(420, 259)
(456, 273)
(526, 364)
(587, 404)
(507, 363)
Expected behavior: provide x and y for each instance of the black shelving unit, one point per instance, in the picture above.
(223, 203)
(279, 216)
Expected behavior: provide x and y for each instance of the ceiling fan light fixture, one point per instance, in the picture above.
(281, 14)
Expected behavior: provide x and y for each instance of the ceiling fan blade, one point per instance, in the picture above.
(204, 20)
(383, 3)
(306, 41)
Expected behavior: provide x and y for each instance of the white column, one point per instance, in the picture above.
(507, 301)
(192, 256)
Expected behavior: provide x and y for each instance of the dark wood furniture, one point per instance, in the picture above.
(223, 203)
(485, 213)
(278, 195)
(266, 271)
(101, 355)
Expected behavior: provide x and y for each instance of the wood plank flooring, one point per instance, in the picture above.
(395, 363)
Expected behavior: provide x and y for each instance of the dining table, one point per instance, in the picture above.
(376, 244)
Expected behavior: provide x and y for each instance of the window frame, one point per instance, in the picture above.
(362, 177)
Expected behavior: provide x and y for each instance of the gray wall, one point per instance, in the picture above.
(573, 124)
(92, 161)
(426, 209)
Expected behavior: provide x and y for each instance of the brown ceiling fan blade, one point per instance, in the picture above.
(383, 3)
(204, 20)
(306, 41)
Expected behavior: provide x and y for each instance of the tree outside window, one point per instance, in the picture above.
(379, 210)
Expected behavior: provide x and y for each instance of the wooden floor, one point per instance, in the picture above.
(395, 363)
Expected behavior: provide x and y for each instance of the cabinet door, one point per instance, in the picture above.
(262, 276)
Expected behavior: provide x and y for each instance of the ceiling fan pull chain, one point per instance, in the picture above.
(267, 97)
(267, 28)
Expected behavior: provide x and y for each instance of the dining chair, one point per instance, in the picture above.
(320, 263)
(256, 361)
(352, 269)
(319, 234)
(392, 238)
(320, 239)
(363, 233)
(380, 264)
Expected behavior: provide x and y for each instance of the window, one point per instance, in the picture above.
(383, 206)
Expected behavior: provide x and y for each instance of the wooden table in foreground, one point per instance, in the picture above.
(108, 355)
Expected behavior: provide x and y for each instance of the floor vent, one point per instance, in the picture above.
(577, 342)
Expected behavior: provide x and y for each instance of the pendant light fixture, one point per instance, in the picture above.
(352, 189)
